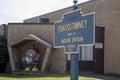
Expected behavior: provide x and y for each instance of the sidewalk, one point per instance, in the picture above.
(100, 76)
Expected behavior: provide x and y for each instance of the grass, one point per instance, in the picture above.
(40, 77)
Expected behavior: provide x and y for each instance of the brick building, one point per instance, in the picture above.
(3, 31)
(101, 58)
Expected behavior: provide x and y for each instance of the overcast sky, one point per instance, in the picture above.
(18, 10)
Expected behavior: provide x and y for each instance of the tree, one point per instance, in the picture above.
(3, 54)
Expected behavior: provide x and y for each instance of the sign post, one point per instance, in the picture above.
(74, 30)
(74, 62)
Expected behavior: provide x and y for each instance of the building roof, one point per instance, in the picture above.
(28, 38)
(59, 10)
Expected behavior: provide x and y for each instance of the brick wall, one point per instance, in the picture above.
(1, 30)
(4, 31)
(19, 31)
(108, 16)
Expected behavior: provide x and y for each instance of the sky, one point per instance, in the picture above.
(15, 11)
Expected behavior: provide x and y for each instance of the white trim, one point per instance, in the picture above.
(33, 37)
(45, 60)
(11, 58)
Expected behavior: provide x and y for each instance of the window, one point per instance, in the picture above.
(68, 57)
(87, 53)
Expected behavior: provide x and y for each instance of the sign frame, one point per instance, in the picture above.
(82, 15)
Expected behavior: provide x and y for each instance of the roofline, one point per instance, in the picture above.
(60, 9)
(32, 37)
(28, 23)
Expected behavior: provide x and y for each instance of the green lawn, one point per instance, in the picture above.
(40, 77)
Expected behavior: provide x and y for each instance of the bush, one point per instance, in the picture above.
(3, 54)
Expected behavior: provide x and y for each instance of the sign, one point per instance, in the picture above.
(74, 30)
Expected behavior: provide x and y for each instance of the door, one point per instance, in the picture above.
(99, 50)
(98, 60)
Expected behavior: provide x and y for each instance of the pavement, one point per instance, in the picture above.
(101, 76)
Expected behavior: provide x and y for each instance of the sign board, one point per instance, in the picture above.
(74, 30)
